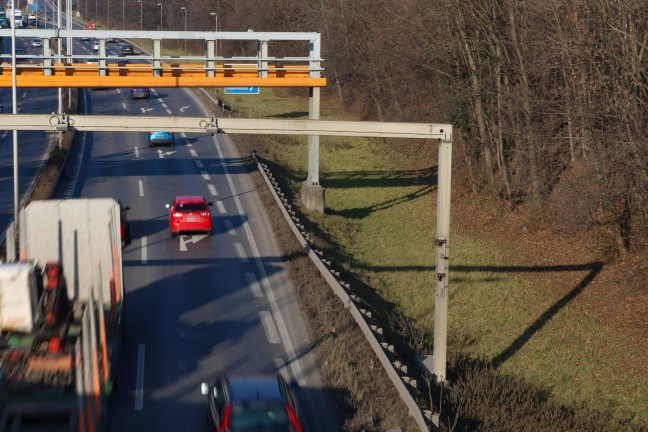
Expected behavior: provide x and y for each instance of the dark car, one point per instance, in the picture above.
(126, 49)
(124, 225)
(140, 93)
(252, 403)
(189, 213)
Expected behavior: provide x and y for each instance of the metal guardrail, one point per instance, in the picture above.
(349, 303)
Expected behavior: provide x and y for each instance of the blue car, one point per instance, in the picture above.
(161, 138)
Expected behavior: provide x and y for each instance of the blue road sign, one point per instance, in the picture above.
(241, 90)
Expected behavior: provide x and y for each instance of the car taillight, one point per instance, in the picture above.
(293, 419)
(177, 215)
(224, 426)
(204, 214)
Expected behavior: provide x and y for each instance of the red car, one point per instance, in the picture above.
(189, 214)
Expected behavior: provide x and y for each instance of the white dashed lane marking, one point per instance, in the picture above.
(141, 188)
(229, 227)
(253, 284)
(269, 326)
(212, 189)
(240, 252)
(221, 207)
(199, 163)
(144, 252)
(193, 152)
(205, 175)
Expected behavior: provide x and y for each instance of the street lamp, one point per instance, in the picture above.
(185, 28)
(140, 2)
(215, 15)
(160, 4)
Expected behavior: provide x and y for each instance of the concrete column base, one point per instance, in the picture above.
(313, 197)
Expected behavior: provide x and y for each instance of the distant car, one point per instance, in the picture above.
(252, 403)
(20, 51)
(126, 49)
(140, 93)
(36, 42)
(111, 40)
(95, 46)
(161, 138)
(189, 213)
(89, 26)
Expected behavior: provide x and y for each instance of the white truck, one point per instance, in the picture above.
(61, 316)
(17, 19)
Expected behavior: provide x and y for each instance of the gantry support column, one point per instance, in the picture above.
(312, 193)
(442, 260)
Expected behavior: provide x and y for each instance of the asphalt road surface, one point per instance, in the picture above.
(196, 306)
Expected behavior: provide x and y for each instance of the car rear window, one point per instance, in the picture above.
(258, 415)
(190, 207)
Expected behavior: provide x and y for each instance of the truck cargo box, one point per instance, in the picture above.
(83, 235)
(19, 291)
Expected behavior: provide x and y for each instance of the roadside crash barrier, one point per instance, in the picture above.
(396, 370)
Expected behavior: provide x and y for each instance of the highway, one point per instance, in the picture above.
(196, 306)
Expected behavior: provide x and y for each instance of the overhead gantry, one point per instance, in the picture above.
(107, 69)
(295, 61)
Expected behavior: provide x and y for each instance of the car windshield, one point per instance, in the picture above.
(190, 207)
(259, 415)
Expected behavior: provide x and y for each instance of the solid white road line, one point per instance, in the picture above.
(212, 189)
(240, 252)
(229, 227)
(144, 252)
(221, 207)
(141, 188)
(139, 380)
(253, 284)
(293, 360)
(269, 326)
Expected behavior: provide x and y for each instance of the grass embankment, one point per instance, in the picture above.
(513, 301)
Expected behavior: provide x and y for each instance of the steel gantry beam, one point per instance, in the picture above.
(106, 69)
(115, 123)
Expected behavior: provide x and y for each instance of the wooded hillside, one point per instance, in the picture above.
(549, 97)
